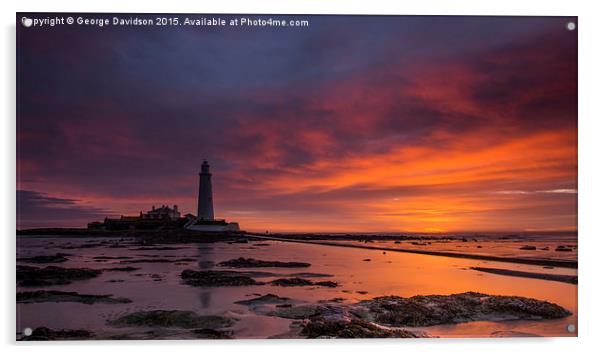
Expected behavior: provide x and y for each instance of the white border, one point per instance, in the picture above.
(590, 176)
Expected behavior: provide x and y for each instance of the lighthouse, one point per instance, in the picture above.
(205, 220)
(205, 206)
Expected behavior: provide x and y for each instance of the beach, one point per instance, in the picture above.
(259, 300)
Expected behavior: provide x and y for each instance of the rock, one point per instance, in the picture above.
(291, 282)
(338, 322)
(528, 248)
(157, 248)
(208, 333)
(265, 299)
(367, 260)
(171, 318)
(62, 296)
(88, 245)
(381, 317)
(295, 312)
(44, 333)
(309, 275)
(256, 263)
(216, 278)
(432, 310)
(302, 282)
(354, 328)
(57, 258)
(512, 334)
(563, 249)
(329, 284)
(158, 260)
(52, 275)
(121, 269)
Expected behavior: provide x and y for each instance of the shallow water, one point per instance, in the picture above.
(509, 247)
(158, 286)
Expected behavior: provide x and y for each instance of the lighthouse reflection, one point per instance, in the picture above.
(205, 262)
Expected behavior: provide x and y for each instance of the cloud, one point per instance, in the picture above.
(35, 209)
(333, 122)
(553, 191)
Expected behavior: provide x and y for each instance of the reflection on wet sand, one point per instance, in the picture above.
(205, 255)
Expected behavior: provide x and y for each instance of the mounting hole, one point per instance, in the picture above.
(26, 21)
(571, 26)
(571, 328)
(27, 332)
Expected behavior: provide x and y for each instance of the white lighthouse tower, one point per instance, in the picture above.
(205, 220)
(205, 207)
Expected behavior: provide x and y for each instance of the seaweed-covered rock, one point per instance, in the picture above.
(171, 318)
(216, 278)
(52, 275)
(157, 260)
(301, 282)
(384, 317)
(291, 282)
(256, 263)
(208, 333)
(354, 328)
(309, 275)
(329, 284)
(120, 269)
(56, 258)
(331, 321)
(295, 312)
(160, 248)
(63, 296)
(265, 299)
(44, 333)
(444, 309)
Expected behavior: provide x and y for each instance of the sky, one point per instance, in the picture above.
(352, 124)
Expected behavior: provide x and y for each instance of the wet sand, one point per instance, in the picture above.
(518, 260)
(514, 273)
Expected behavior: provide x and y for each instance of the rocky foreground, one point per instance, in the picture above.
(380, 317)
(422, 311)
(257, 263)
(394, 316)
(53, 275)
